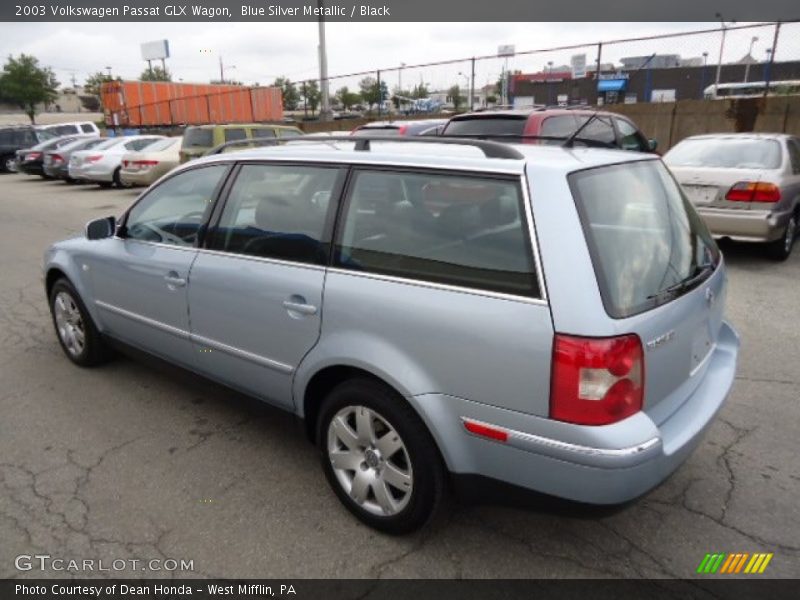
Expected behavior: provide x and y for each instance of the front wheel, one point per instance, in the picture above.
(76, 331)
(9, 164)
(781, 248)
(379, 458)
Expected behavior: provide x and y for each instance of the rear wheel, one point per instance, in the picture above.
(781, 248)
(9, 164)
(76, 331)
(379, 458)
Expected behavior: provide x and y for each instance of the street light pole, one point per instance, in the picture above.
(325, 110)
(753, 40)
(721, 49)
(703, 75)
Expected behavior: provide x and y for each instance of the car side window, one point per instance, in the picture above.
(87, 128)
(448, 229)
(235, 134)
(630, 138)
(599, 130)
(263, 132)
(794, 155)
(278, 211)
(173, 212)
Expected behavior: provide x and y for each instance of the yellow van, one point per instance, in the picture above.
(199, 139)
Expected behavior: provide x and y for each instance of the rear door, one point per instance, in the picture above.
(256, 290)
(658, 270)
(435, 283)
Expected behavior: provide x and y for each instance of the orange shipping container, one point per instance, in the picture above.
(153, 103)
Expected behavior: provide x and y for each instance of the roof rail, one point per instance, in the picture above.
(362, 143)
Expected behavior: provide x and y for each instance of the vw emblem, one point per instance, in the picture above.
(710, 296)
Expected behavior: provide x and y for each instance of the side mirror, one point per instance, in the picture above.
(652, 144)
(100, 229)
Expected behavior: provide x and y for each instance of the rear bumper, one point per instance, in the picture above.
(745, 225)
(138, 178)
(92, 173)
(608, 464)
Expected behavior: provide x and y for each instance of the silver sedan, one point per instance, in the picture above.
(746, 186)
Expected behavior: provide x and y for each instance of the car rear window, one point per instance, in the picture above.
(644, 237)
(387, 130)
(726, 153)
(494, 125)
(198, 138)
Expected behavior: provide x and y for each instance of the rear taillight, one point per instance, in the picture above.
(596, 381)
(125, 163)
(146, 163)
(402, 130)
(754, 191)
(33, 155)
(56, 158)
(94, 158)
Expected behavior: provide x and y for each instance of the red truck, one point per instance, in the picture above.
(155, 103)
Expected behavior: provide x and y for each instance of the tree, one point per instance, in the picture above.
(91, 86)
(371, 92)
(291, 97)
(24, 83)
(312, 95)
(455, 96)
(156, 74)
(420, 91)
(347, 98)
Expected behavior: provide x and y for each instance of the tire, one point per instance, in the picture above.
(781, 248)
(117, 181)
(373, 430)
(8, 164)
(105, 184)
(76, 331)
(70, 181)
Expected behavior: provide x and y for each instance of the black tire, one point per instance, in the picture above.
(94, 351)
(419, 449)
(781, 248)
(70, 180)
(117, 180)
(105, 184)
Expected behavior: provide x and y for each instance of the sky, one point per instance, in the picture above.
(260, 52)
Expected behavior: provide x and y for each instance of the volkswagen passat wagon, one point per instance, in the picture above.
(548, 317)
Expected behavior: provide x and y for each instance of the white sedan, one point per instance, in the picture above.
(102, 163)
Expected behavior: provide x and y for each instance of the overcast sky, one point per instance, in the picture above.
(262, 51)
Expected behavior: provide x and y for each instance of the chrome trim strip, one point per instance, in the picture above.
(142, 319)
(263, 259)
(576, 453)
(439, 286)
(197, 339)
(157, 244)
(537, 261)
(244, 354)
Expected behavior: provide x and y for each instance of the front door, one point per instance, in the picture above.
(140, 278)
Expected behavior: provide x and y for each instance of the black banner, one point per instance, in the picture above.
(735, 588)
(395, 10)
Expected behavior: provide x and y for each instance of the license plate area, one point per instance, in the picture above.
(702, 345)
(701, 195)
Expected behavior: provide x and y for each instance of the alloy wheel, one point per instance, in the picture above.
(370, 460)
(69, 323)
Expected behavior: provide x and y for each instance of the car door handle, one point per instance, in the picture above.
(173, 279)
(300, 307)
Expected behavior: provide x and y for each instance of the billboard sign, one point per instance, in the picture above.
(578, 64)
(155, 50)
(506, 50)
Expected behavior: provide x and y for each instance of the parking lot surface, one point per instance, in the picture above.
(137, 460)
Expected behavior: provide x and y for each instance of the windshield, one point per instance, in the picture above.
(494, 125)
(644, 237)
(726, 153)
(109, 143)
(387, 130)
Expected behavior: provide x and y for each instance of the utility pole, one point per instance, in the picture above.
(325, 110)
(721, 49)
(771, 58)
(221, 70)
(753, 40)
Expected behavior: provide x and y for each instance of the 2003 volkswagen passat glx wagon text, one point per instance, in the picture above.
(549, 317)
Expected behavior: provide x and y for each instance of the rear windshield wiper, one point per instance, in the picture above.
(701, 273)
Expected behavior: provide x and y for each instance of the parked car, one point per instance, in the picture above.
(103, 163)
(200, 139)
(746, 186)
(56, 162)
(551, 125)
(31, 160)
(16, 137)
(146, 166)
(390, 128)
(74, 128)
(441, 349)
